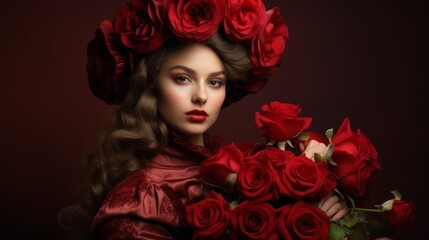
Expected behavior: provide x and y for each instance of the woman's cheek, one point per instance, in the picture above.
(175, 97)
(220, 98)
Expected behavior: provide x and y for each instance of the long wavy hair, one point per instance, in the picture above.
(137, 133)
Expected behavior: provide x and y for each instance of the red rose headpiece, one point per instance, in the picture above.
(142, 26)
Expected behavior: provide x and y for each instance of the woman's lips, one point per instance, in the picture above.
(197, 115)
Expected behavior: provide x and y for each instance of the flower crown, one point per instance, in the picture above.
(140, 27)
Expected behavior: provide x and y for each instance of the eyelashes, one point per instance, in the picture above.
(183, 79)
(216, 83)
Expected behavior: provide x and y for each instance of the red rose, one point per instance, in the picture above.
(244, 19)
(209, 218)
(401, 214)
(250, 220)
(256, 180)
(267, 47)
(249, 148)
(302, 221)
(219, 167)
(140, 25)
(329, 182)
(356, 158)
(274, 155)
(301, 178)
(195, 20)
(280, 121)
(109, 65)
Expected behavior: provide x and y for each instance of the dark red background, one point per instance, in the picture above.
(367, 61)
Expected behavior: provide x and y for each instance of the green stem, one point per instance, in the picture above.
(367, 210)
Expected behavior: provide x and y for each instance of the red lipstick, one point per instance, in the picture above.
(197, 115)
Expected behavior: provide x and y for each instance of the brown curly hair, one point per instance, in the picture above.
(136, 133)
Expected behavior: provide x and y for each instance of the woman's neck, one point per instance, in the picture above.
(195, 139)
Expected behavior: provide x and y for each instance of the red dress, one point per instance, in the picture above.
(150, 202)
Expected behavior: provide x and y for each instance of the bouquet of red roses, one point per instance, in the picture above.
(269, 191)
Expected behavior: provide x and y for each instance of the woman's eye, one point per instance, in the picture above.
(181, 79)
(215, 83)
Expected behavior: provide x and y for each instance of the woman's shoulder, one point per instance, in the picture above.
(124, 193)
(137, 197)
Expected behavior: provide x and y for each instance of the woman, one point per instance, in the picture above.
(146, 169)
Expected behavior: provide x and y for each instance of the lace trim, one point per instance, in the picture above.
(126, 192)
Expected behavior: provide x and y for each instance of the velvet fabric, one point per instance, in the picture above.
(150, 202)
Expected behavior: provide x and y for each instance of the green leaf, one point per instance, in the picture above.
(352, 202)
(340, 194)
(302, 136)
(359, 232)
(282, 145)
(376, 227)
(327, 153)
(397, 194)
(318, 158)
(336, 232)
(231, 179)
(329, 133)
(233, 204)
(271, 143)
(350, 219)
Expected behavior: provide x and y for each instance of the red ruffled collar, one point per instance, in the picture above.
(178, 147)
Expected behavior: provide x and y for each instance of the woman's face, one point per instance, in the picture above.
(192, 89)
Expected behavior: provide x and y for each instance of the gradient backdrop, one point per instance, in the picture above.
(367, 61)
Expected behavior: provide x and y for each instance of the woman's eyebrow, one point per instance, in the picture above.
(217, 73)
(192, 71)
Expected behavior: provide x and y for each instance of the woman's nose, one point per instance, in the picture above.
(199, 94)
